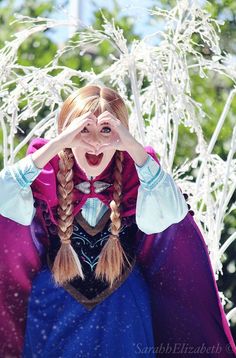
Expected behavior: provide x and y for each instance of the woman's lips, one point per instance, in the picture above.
(93, 159)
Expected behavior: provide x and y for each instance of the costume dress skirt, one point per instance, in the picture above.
(87, 318)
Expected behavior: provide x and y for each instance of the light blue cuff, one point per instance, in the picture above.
(24, 171)
(150, 173)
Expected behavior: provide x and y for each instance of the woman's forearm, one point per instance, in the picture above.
(44, 154)
(138, 153)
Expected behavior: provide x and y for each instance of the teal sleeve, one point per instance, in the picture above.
(160, 202)
(16, 199)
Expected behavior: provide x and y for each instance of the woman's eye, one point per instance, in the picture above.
(84, 130)
(106, 130)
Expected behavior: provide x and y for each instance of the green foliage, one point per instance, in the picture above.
(99, 58)
(37, 50)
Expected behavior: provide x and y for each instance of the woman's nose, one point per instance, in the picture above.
(96, 141)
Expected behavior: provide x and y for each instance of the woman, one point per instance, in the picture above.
(123, 269)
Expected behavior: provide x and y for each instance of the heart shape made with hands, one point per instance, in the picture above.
(102, 141)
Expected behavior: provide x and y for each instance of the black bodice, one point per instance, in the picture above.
(88, 248)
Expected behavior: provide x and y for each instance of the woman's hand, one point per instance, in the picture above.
(118, 138)
(71, 136)
(121, 139)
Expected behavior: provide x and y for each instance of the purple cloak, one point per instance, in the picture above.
(188, 317)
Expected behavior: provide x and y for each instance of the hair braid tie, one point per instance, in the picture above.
(112, 257)
(66, 265)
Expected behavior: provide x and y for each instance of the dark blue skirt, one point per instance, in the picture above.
(60, 326)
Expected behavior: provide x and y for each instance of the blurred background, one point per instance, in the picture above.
(41, 48)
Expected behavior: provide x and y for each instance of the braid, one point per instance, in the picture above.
(66, 264)
(115, 203)
(111, 259)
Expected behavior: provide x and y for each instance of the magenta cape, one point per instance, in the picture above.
(186, 308)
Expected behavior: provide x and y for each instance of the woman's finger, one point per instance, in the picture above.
(83, 120)
(87, 146)
(79, 118)
(88, 114)
(88, 120)
(107, 116)
(104, 147)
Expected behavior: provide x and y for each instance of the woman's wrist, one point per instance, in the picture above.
(44, 154)
(137, 153)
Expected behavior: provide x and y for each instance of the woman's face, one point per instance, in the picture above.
(97, 136)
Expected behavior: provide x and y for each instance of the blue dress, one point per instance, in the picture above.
(64, 322)
(59, 327)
